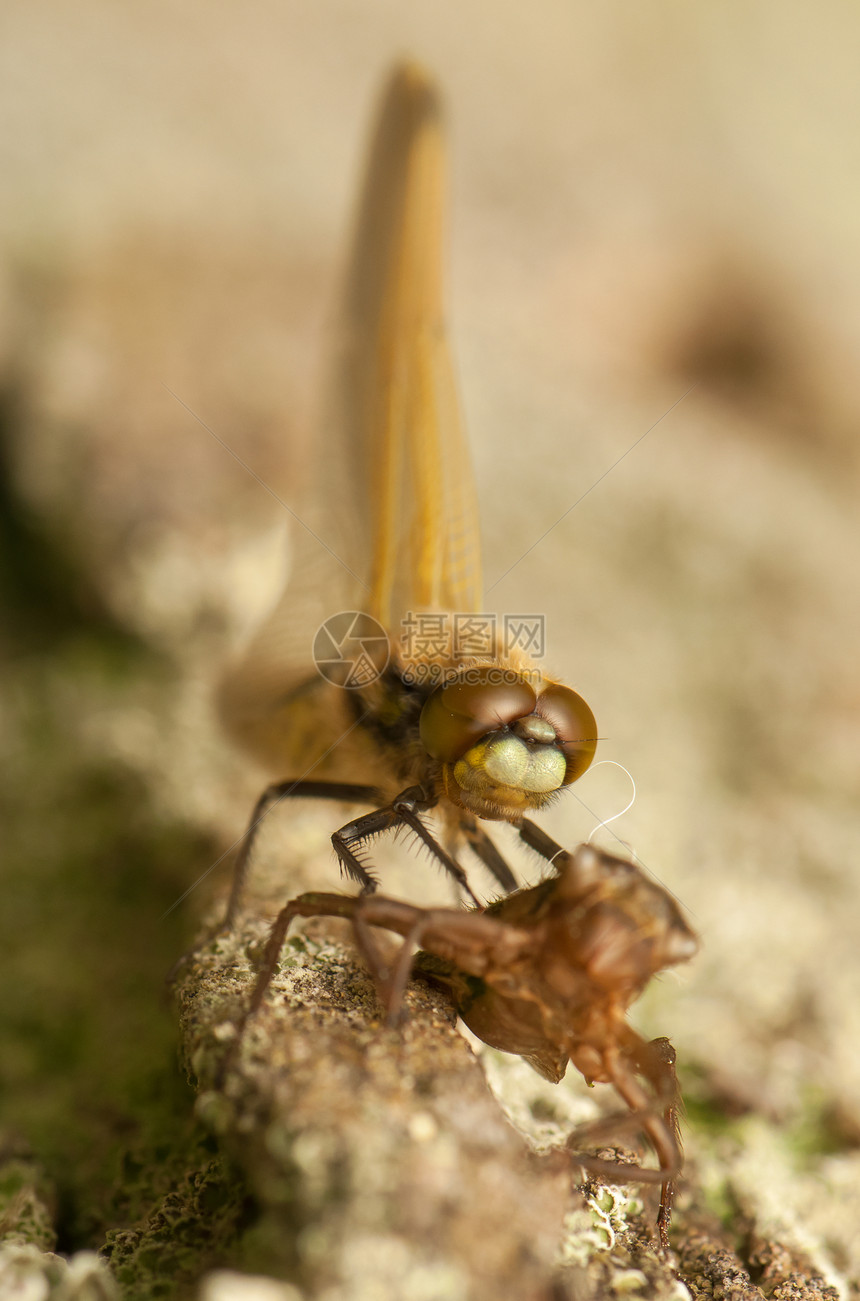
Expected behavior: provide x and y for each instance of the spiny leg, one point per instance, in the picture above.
(345, 792)
(482, 846)
(401, 811)
(407, 806)
(346, 838)
(538, 840)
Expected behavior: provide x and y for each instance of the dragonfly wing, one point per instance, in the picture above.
(392, 524)
(398, 379)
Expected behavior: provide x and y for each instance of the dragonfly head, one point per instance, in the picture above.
(505, 744)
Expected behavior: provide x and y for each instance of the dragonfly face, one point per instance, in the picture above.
(505, 747)
(392, 529)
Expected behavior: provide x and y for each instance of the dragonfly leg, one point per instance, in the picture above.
(401, 811)
(537, 839)
(407, 807)
(482, 846)
(345, 792)
(350, 837)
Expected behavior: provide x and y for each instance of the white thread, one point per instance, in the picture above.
(606, 821)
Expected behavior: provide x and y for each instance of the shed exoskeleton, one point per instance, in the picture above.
(547, 972)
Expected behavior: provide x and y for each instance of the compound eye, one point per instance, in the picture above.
(459, 714)
(575, 727)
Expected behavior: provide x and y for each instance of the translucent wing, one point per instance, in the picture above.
(426, 545)
(392, 524)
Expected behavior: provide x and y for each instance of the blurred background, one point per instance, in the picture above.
(654, 272)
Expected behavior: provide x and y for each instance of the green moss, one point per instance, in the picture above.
(718, 1198)
(196, 1224)
(25, 1205)
(816, 1130)
(705, 1115)
(88, 1063)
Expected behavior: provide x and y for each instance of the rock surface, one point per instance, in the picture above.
(653, 299)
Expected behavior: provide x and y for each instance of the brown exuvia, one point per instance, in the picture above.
(547, 972)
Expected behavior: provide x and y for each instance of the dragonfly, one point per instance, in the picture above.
(333, 694)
